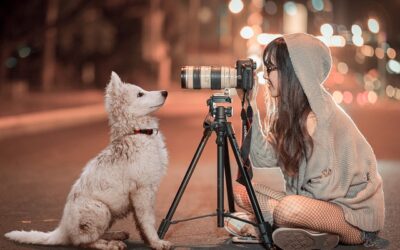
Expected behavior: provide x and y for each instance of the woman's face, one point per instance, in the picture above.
(272, 79)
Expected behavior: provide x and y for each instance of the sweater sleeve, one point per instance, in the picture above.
(262, 154)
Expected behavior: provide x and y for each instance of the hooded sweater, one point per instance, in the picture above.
(342, 168)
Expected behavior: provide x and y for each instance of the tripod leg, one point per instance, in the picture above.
(264, 227)
(221, 154)
(228, 176)
(167, 221)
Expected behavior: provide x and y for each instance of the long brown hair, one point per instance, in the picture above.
(291, 139)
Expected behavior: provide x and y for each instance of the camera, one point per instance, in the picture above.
(210, 77)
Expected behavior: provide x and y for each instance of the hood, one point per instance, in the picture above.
(312, 61)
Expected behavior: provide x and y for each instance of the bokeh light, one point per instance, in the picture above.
(391, 53)
(270, 7)
(390, 91)
(356, 30)
(347, 97)
(393, 66)
(337, 96)
(318, 5)
(358, 40)
(24, 52)
(235, 6)
(338, 41)
(367, 50)
(373, 25)
(372, 97)
(342, 68)
(326, 29)
(290, 8)
(246, 32)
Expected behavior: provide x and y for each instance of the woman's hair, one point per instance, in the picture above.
(290, 136)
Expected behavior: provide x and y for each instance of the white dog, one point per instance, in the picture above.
(123, 178)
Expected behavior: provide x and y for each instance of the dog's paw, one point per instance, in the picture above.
(161, 244)
(117, 245)
(115, 235)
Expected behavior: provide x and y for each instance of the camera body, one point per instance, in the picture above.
(245, 73)
(209, 77)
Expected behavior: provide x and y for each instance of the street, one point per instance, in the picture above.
(38, 170)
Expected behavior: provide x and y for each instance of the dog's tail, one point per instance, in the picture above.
(55, 237)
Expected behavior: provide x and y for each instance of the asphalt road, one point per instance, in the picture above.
(37, 171)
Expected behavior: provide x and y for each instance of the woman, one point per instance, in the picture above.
(332, 182)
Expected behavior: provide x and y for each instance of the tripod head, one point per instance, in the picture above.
(219, 98)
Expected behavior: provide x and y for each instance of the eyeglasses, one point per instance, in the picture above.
(270, 68)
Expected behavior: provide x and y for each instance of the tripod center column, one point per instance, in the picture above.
(220, 122)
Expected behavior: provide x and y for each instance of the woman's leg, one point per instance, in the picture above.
(267, 198)
(303, 212)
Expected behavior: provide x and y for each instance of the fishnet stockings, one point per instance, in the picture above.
(267, 198)
(301, 212)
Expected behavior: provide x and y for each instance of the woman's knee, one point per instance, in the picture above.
(290, 210)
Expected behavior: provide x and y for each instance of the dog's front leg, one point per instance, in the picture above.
(143, 204)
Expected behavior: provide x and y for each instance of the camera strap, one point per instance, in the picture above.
(247, 119)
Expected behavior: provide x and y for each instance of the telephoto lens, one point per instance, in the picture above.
(208, 77)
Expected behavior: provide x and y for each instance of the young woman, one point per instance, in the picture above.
(332, 183)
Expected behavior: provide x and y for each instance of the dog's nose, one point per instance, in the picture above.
(164, 93)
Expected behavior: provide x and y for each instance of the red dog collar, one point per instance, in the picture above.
(145, 131)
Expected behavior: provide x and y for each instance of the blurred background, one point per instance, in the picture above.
(51, 48)
(57, 56)
(57, 45)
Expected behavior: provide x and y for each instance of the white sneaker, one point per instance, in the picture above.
(297, 238)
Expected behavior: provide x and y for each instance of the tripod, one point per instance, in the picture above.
(224, 132)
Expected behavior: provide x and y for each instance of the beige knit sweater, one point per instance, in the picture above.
(343, 167)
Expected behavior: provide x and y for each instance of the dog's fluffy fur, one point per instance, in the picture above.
(123, 178)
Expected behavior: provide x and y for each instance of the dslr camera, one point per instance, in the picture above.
(210, 77)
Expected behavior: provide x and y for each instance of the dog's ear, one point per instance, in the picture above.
(115, 83)
(115, 78)
(113, 91)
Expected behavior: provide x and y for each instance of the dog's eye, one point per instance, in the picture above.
(140, 94)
